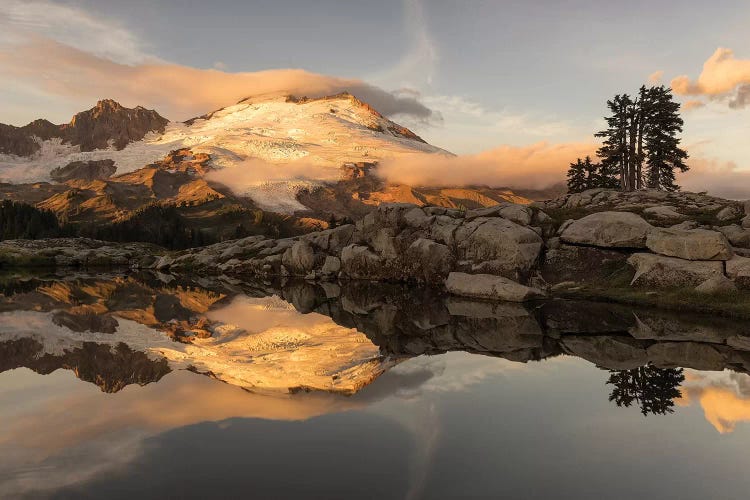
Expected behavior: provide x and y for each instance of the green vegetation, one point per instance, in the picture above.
(14, 260)
(735, 304)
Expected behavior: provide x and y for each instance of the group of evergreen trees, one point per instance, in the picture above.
(19, 220)
(161, 225)
(585, 174)
(641, 145)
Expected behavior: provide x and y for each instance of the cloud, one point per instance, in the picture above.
(741, 97)
(64, 51)
(723, 77)
(178, 91)
(692, 104)
(544, 164)
(274, 187)
(535, 166)
(724, 397)
(655, 77)
(717, 177)
(73, 27)
(417, 66)
(255, 172)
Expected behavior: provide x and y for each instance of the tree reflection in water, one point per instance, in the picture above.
(652, 389)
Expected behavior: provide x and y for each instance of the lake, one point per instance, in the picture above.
(160, 386)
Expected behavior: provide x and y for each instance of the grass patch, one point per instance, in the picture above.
(735, 304)
(16, 260)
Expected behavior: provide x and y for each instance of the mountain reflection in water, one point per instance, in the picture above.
(301, 351)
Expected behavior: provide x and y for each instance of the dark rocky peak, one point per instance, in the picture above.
(106, 123)
(110, 121)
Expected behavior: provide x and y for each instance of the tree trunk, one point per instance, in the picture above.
(624, 148)
(633, 160)
(639, 154)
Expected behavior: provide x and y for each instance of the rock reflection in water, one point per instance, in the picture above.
(252, 334)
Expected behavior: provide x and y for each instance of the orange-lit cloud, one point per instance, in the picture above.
(179, 92)
(655, 77)
(723, 397)
(543, 164)
(723, 76)
(535, 166)
(112, 430)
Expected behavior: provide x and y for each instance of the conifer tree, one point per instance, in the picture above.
(614, 151)
(662, 143)
(592, 173)
(577, 177)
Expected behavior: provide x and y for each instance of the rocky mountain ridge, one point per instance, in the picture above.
(107, 124)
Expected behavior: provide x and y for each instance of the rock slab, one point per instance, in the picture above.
(487, 286)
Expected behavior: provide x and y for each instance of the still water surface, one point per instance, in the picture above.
(162, 387)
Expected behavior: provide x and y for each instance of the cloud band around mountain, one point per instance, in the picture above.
(179, 92)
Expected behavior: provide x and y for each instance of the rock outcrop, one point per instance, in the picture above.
(85, 170)
(608, 230)
(716, 285)
(670, 272)
(695, 244)
(77, 252)
(395, 242)
(108, 124)
(738, 269)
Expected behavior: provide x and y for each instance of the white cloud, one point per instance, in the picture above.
(418, 65)
(474, 125)
(71, 26)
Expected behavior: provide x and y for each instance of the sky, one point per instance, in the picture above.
(471, 76)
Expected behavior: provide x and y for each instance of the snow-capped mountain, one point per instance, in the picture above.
(326, 132)
(308, 161)
(305, 141)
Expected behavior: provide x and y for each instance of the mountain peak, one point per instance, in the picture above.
(107, 124)
(108, 103)
(111, 123)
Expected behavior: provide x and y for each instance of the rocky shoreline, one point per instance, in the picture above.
(671, 249)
